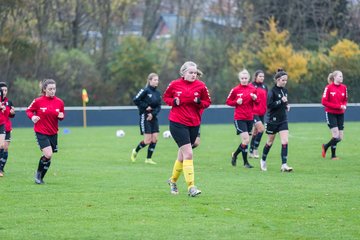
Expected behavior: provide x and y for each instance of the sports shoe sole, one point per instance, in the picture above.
(198, 192)
(150, 162)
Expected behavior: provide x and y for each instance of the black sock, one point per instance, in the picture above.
(333, 151)
(41, 164)
(238, 150)
(5, 155)
(140, 146)
(257, 140)
(265, 151)
(4, 160)
(331, 143)
(284, 153)
(2, 164)
(46, 168)
(44, 164)
(1, 159)
(244, 150)
(151, 149)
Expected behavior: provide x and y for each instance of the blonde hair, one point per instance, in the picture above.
(151, 76)
(186, 66)
(332, 76)
(244, 71)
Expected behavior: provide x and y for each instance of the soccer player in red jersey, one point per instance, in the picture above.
(243, 98)
(45, 112)
(188, 97)
(9, 112)
(259, 113)
(334, 99)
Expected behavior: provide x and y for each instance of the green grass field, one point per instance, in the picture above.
(93, 191)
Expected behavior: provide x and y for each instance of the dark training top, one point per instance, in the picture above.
(148, 96)
(276, 107)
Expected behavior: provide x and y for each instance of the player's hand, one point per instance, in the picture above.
(239, 101)
(149, 117)
(284, 99)
(197, 100)
(35, 119)
(253, 96)
(288, 107)
(176, 101)
(61, 115)
(148, 109)
(12, 110)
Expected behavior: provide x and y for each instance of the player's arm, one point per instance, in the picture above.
(139, 100)
(272, 103)
(231, 101)
(168, 97)
(61, 114)
(205, 100)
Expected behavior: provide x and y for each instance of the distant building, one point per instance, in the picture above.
(168, 24)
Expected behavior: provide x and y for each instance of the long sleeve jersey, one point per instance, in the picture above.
(333, 97)
(8, 115)
(188, 112)
(148, 96)
(261, 93)
(47, 108)
(244, 111)
(277, 109)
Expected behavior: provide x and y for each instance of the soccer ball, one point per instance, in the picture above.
(120, 133)
(167, 134)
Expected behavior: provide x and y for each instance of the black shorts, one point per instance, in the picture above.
(273, 128)
(243, 126)
(46, 141)
(8, 136)
(183, 134)
(258, 118)
(335, 120)
(2, 129)
(148, 127)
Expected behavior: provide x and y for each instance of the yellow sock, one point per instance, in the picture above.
(188, 168)
(178, 168)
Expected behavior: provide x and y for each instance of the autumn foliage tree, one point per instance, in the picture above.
(277, 52)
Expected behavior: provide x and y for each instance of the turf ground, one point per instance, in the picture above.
(93, 191)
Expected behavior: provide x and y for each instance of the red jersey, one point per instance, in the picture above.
(47, 109)
(2, 116)
(333, 97)
(261, 104)
(8, 115)
(245, 110)
(188, 112)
